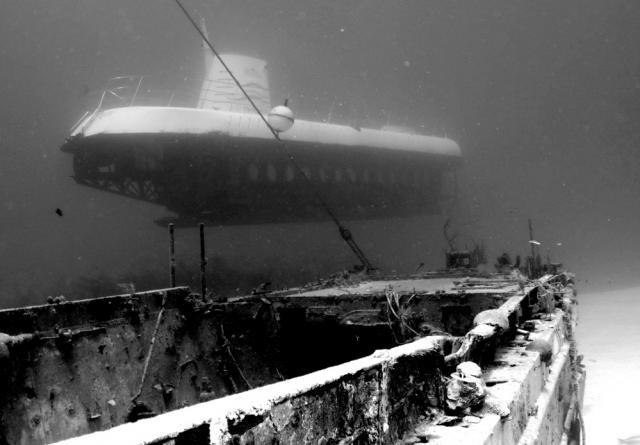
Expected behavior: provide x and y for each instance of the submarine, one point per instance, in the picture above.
(217, 162)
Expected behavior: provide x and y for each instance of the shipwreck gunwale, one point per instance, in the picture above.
(525, 384)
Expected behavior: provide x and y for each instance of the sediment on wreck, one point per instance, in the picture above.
(80, 365)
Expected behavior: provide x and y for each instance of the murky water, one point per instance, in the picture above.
(541, 96)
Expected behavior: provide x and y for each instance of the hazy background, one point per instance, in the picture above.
(543, 97)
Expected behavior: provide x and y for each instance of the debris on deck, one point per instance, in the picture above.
(450, 361)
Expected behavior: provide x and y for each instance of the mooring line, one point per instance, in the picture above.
(344, 232)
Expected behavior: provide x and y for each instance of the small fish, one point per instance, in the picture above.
(534, 242)
(59, 212)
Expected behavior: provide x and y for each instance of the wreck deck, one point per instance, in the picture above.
(78, 367)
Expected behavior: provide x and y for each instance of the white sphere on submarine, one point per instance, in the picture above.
(280, 118)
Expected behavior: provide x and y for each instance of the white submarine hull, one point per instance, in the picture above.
(226, 167)
(220, 163)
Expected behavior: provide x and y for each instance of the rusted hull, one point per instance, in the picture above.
(285, 366)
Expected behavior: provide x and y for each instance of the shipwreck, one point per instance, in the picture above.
(446, 357)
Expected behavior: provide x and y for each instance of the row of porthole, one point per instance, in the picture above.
(338, 175)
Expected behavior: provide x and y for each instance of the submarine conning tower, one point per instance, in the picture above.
(220, 92)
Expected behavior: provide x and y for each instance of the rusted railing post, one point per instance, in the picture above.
(172, 257)
(203, 262)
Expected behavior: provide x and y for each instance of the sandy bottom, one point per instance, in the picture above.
(609, 338)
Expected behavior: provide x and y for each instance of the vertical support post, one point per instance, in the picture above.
(203, 262)
(172, 257)
(135, 94)
(531, 239)
(532, 263)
